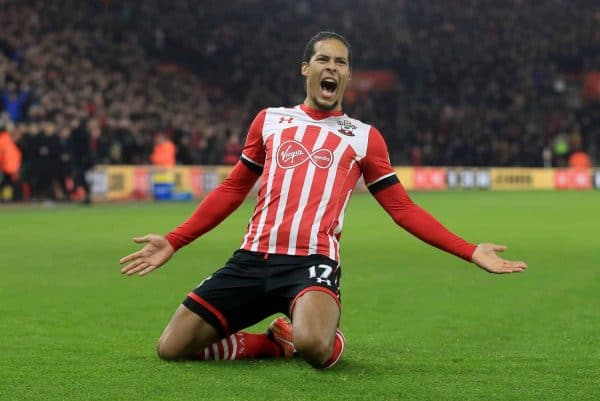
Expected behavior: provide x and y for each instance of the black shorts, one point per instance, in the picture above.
(252, 286)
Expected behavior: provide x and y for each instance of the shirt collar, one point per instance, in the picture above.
(317, 114)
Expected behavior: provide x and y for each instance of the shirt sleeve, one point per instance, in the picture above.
(376, 167)
(383, 183)
(253, 154)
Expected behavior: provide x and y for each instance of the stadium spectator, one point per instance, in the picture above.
(10, 166)
(164, 151)
(580, 160)
(48, 185)
(14, 100)
(561, 150)
(233, 150)
(309, 159)
(82, 158)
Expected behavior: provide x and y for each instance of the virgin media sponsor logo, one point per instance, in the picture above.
(292, 154)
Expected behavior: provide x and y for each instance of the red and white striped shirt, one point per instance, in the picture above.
(311, 162)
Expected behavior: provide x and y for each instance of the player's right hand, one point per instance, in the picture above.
(155, 253)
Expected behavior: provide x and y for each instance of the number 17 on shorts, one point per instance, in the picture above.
(322, 274)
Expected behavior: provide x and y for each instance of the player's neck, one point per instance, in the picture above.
(319, 114)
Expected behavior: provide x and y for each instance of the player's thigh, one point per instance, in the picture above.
(315, 319)
(316, 312)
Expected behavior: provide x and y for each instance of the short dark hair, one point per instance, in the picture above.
(309, 50)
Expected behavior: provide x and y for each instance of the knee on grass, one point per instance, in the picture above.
(316, 350)
(168, 352)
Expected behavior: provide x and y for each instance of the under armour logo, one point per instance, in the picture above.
(292, 154)
(284, 119)
(323, 281)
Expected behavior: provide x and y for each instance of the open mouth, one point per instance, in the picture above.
(328, 86)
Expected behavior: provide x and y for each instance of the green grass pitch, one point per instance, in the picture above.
(420, 324)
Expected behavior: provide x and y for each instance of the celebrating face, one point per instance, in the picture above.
(327, 73)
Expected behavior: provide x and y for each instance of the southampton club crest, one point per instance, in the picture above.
(346, 127)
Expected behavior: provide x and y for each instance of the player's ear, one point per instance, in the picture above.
(304, 68)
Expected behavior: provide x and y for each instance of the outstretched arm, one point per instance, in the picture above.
(385, 186)
(219, 204)
(424, 226)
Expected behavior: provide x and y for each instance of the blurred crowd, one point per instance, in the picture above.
(479, 82)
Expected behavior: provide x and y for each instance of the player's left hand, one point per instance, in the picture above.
(485, 257)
